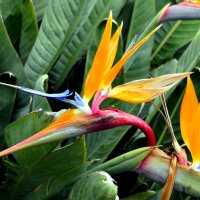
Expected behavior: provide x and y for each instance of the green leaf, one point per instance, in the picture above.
(140, 196)
(78, 43)
(124, 162)
(143, 13)
(41, 160)
(57, 186)
(10, 62)
(29, 29)
(169, 67)
(172, 36)
(40, 7)
(186, 62)
(38, 101)
(22, 129)
(190, 56)
(61, 20)
(7, 102)
(97, 186)
(12, 17)
(139, 64)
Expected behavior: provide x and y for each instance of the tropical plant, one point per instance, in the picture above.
(48, 47)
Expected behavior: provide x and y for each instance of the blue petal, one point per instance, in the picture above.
(198, 167)
(78, 99)
(64, 94)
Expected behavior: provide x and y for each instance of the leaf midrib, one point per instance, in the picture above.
(165, 39)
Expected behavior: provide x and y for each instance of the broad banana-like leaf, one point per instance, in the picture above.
(172, 36)
(79, 42)
(29, 29)
(40, 7)
(142, 15)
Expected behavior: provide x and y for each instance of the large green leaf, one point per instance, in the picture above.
(10, 62)
(142, 15)
(58, 186)
(40, 7)
(60, 22)
(170, 37)
(190, 56)
(40, 164)
(78, 44)
(7, 102)
(29, 30)
(12, 16)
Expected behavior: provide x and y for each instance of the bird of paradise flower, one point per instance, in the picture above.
(189, 123)
(98, 85)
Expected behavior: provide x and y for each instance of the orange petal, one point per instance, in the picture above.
(113, 49)
(117, 67)
(188, 107)
(64, 118)
(194, 135)
(145, 90)
(96, 72)
(190, 3)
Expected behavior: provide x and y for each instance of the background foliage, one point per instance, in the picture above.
(49, 46)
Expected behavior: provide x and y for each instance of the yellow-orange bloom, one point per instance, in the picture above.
(189, 122)
(102, 72)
